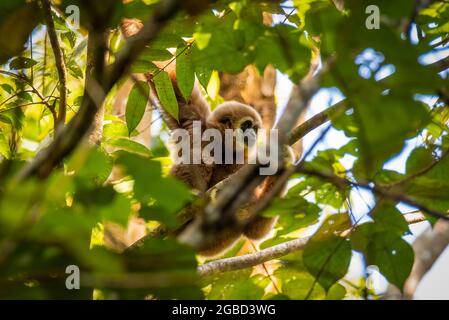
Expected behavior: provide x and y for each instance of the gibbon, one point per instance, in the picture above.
(228, 115)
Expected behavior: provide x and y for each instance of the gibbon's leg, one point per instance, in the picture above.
(260, 228)
(220, 244)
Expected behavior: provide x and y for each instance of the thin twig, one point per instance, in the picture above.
(14, 96)
(27, 81)
(20, 106)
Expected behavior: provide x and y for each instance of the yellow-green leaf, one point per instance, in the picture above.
(137, 102)
(166, 93)
(185, 73)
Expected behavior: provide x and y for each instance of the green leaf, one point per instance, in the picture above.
(144, 66)
(151, 54)
(284, 47)
(7, 88)
(117, 211)
(114, 130)
(388, 217)
(14, 117)
(202, 39)
(155, 213)
(70, 37)
(336, 292)
(327, 255)
(294, 213)
(75, 70)
(92, 167)
(223, 47)
(25, 96)
(4, 146)
(166, 93)
(136, 105)
(96, 196)
(297, 283)
(235, 285)
(163, 259)
(419, 159)
(325, 192)
(129, 145)
(150, 187)
(328, 260)
(300, 285)
(203, 74)
(387, 250)
(274, 241)
(185, 72)
(396, 119)
(431, 188)
(392, 255)
(22, 63)
(434, 18)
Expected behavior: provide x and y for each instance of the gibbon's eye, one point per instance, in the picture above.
(248, 124)
(226, 121)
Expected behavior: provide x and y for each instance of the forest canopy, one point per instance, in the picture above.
(85, 151)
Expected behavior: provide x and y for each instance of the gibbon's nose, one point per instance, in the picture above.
(251, 137)
(246, 125)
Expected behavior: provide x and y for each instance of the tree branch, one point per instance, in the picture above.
(252, 259)
(60, 63)
(317, 120)
(274, 252)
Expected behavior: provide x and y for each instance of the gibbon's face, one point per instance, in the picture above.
(235, 115)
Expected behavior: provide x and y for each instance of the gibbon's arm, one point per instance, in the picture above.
(194, 109)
